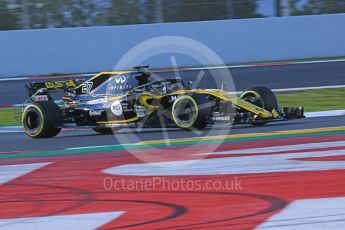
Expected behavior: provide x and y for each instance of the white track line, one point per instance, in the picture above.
(268, 64)
(13, 79)
(272, 163)
(11, 172)
(309, 88)
(11, 129)
(284, 148)
(297, 89)
(316, 214)
(332, 113)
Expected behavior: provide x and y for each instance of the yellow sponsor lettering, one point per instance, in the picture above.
(49, 85)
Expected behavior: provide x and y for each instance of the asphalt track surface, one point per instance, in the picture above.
(72, 184)
(300, 75)
(84, 138)
(275, 77)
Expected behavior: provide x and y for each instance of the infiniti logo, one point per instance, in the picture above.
(120, 79)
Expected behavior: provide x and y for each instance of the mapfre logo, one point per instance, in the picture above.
(120, 79)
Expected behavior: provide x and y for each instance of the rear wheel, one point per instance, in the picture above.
(191, 111)
(42, 119)
(263, 97)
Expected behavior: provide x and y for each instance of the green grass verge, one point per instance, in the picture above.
(314, 100)
(7, 117)
(311, 100)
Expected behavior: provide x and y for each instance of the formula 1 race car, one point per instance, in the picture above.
(111, 100)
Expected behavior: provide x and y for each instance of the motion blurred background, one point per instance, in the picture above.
(39, 14)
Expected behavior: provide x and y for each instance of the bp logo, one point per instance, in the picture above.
(140, 111)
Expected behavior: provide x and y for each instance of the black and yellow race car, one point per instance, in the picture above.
(111, 100)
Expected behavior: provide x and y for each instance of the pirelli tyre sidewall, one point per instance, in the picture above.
(191, 111)
(267, 97)
(41, 119)
(268, 100)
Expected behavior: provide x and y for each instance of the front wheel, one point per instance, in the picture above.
(42, 119)
(264, 98)
(191, 111)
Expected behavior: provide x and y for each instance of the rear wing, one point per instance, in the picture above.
(40, 91)
(80, 86)
(53, 86)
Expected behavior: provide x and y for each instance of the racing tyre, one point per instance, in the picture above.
(262, 97)
(42, 119)
(191, 111)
